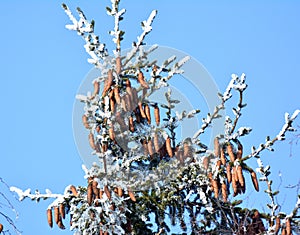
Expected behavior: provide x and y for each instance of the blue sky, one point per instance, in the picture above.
(43, 64)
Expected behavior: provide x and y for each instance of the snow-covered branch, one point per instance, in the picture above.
(146, 27)
(117, 33)
(93, 47)
(37, 195)
(281, 136)
(207, 121)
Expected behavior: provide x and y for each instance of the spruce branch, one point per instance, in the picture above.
(118, 16)
(287, 127)
(146, 26)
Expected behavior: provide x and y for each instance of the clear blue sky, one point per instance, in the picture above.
(43, 64)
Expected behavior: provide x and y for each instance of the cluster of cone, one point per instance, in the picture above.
(93, 194)
(232, 167)
(120, 102)
(285, 227)
(59, 211)
(257, 226)
(140, 113)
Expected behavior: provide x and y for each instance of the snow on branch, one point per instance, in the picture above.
(281, 136)
(117, 33)
(84, 28)
(176, 68)
(37, 195)
(236, 83)
(207, 121)
(146, 26)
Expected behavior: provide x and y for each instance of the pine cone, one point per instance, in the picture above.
(89, 194)
(118, 65)
(217, 147)
(141, 80)
(74, 190)
(254, 181)
(168, 146)
(230, 152)
(156, 115)
(49, 218)
(147, 112)
(85, 122)
(96, 89)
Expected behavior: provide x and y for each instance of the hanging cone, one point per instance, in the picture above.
(224, 192)
(288, 226)
(217, 147)
(147, 112)
(129, 89)
(107, 192)
(215, 186)
(89, 196)
(156, 143)
(180, 155)
(141, 80)
(62, 210)
(222, 157)
(56, 214)
(91, 141)
(240, 176)
(96, 89)
(234, 182)
(117, 95)
(118, 65)
(61, 225)
(239, 152)
(168, 147)
(205, 162)
(140, 105)
(156, 115)
(255, 181)
(85, 122)
(230, 152)
(131, 195)
(112, 101)
(163, 151)
(187, 151)
(145, 146)
(277, 225)
(137, 114)
(131, 125)
(96, 190)
(108, 82)
(120, 191)
(228, 173)
(74, 190)
(49, 218)
(134, 97)
(111, 132)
